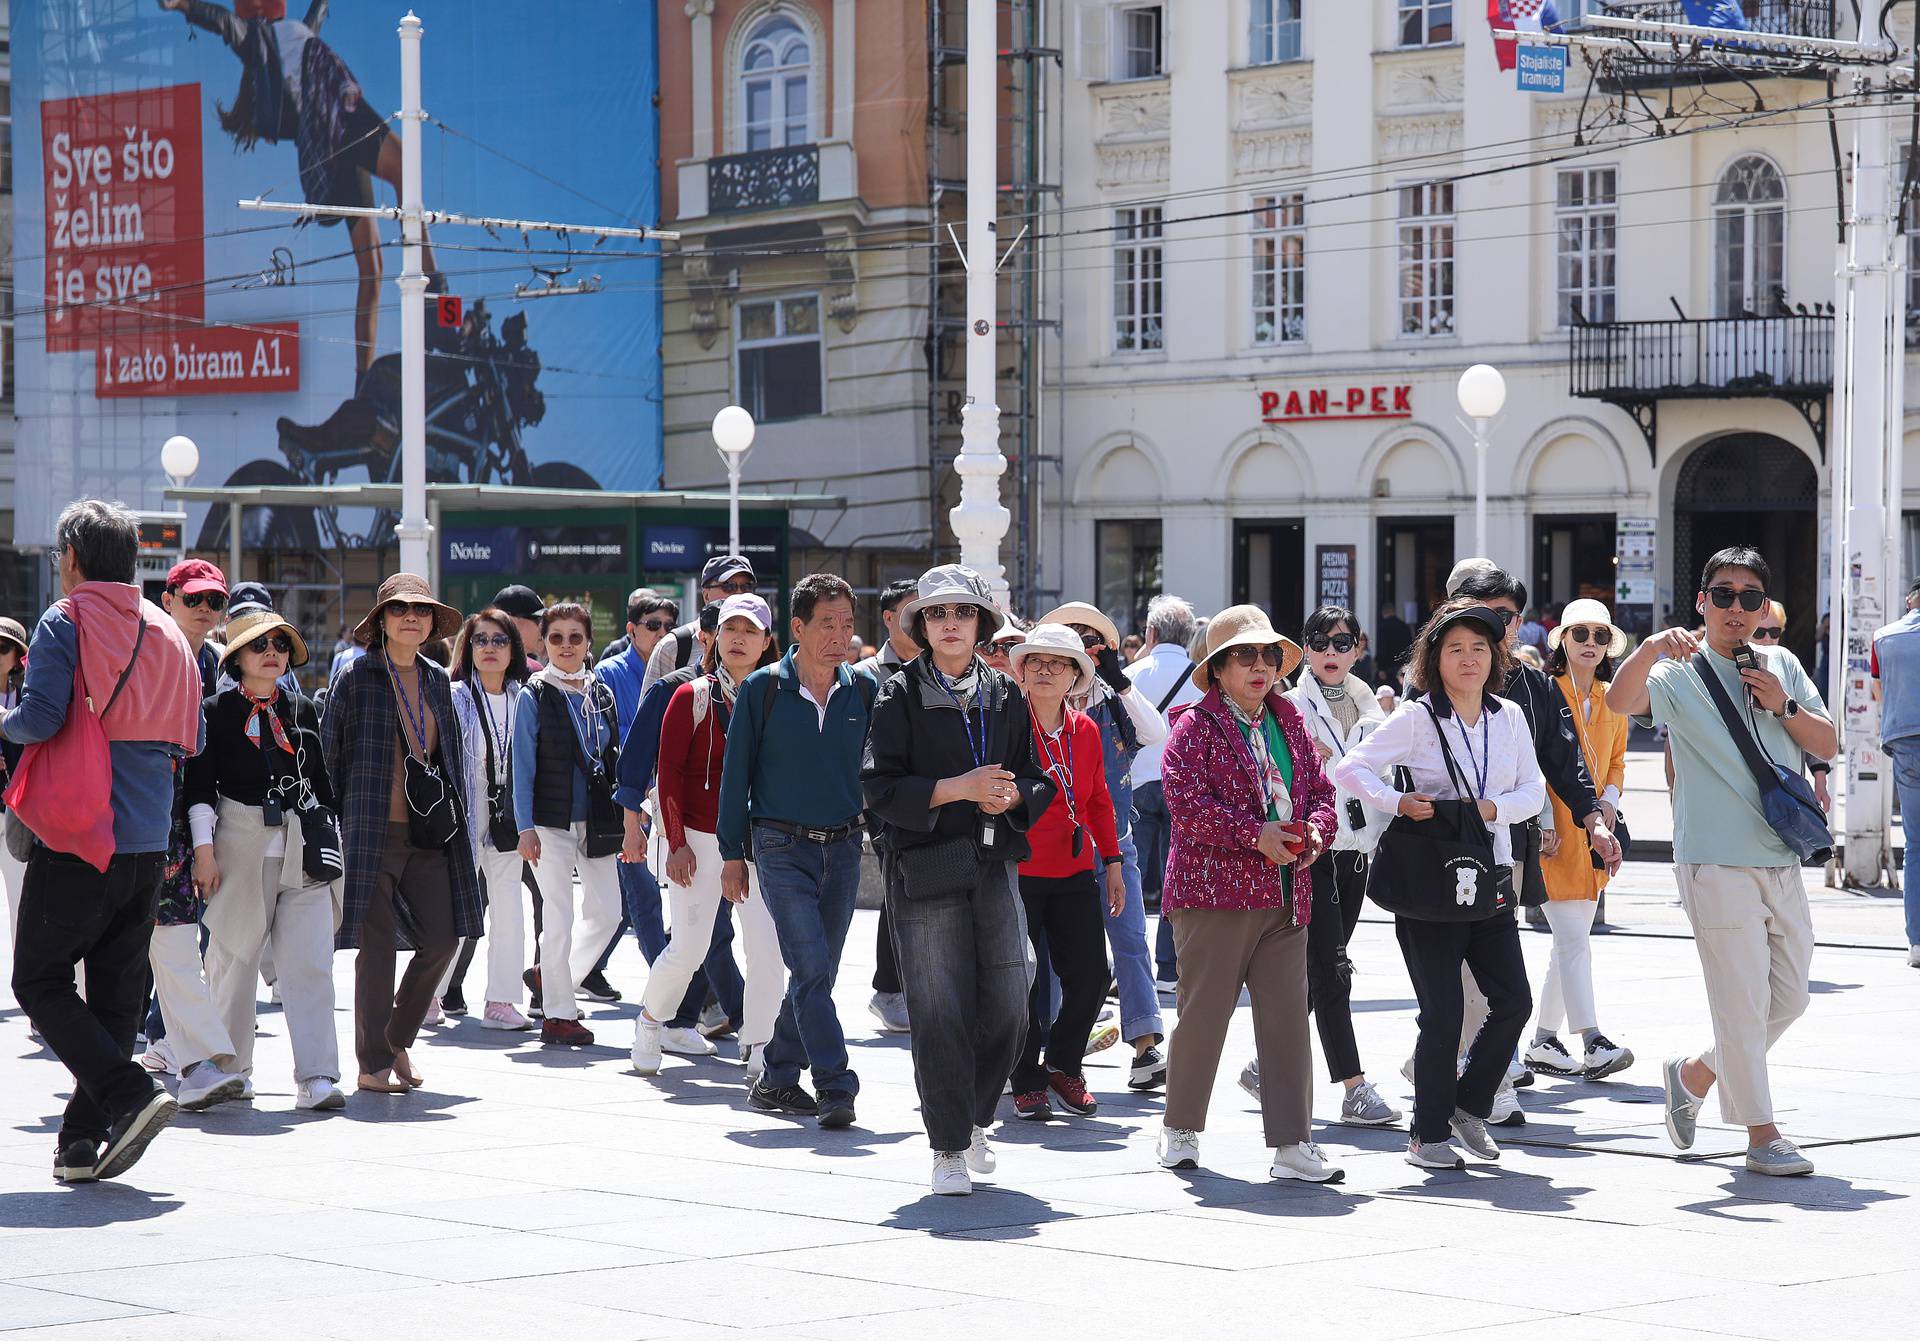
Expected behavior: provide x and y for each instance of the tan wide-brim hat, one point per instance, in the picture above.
(1589, 611)
(1055, 640)
(12, 631)
(259, 623)
(1079, 612)
(1243, 626)
(411, 588)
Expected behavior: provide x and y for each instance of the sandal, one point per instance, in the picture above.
(403, 1071)
(373, 1084)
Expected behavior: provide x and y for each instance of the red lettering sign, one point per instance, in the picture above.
(198, 361)
(124, 212)
(1269, 402)
(1350, 402)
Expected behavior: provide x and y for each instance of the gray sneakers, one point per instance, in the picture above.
(1363, 1107)
(1778, 1158)
(1472, 1133)
(1682, 1109)
(1434, 1155)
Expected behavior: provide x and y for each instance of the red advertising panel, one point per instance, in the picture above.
(185, 360)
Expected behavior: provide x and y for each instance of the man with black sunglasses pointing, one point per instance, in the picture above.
(1732, 710)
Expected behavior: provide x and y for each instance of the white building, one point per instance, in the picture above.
(1262, 401)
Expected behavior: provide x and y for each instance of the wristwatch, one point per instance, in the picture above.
(1790, 711)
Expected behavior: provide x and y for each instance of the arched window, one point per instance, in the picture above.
(1749, 239)
(775, 65)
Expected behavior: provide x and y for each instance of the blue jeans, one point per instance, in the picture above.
(1905, 754)
(810, 889)
(1132, 967)
(1152, 833)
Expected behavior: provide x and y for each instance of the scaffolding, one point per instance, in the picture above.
(1029, 200)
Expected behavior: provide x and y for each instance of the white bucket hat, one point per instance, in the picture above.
(1055, 640)
(949, 583)
(1079, 612)
(1589, 611)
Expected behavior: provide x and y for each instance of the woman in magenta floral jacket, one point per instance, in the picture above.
(1250, 811)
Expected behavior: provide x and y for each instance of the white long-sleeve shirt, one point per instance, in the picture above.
(1500, 742)
(1153, 675)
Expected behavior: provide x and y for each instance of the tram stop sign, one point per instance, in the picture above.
(451, 309)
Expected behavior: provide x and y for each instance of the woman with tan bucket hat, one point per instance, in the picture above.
(1251, 812)
(392, 740)
(250, 795)
(1583, 650)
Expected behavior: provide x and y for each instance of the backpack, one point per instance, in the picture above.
(684, 642)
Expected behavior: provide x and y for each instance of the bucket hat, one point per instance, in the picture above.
(1079, 612)
(1055, 640)
(12, 631)
(257, 624)
(1586, 610)
(946, 584)
(1243, 626)
(409, 587)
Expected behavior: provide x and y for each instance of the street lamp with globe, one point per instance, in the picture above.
(1482, 394)
(733, 435)
(179, 458)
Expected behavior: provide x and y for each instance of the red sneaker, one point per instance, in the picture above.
(1072, 1093)
(1032, 1106)
(566, 1033)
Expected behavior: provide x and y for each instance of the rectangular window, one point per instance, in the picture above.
(1280, 268)
(1586, 220)
(1138, 289)
(1426, 23)
(1127, 558)
(1276, 31)
(1426, 260)
(1140, 42)
(780, 357)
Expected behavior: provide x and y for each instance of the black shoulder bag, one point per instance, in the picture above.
(1440, 869)
(432, 820)
(1785, 798)
(502, 830)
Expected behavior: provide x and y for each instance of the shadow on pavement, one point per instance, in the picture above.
(848, 1142)
(1501, 1189)
(1012, 1215)
(83, 1206)
(1812, 1193)
(1282, 1200)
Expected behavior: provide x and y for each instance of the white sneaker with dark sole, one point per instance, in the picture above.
(1606, 1058)
(1178, 1148)
(1305, 1162)
(1551, 1055)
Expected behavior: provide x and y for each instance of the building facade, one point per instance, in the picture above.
(1265, 336)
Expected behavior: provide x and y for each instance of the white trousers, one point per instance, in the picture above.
(692, 909)
(298, 929)
(1754, 934)
(506, 922)
(567, 956)
(1566, 993)
(194, 1027)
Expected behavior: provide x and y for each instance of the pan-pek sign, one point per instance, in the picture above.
(1323, 403)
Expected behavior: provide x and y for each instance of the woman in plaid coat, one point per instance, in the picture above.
(398, 895)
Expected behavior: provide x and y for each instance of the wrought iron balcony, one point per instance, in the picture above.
(1794, 18)
(1638, 364)
(764, 179)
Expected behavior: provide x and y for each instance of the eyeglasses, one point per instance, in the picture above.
(559, 639)
(1771, 634)
(655, 625)
(940, 614)
(418, 609)
(279, 642)
(213, 600)
(1584, 633)
(1249, 656)
(1339, 642)
(499, 640)
(1050, 665)
(1724, 597)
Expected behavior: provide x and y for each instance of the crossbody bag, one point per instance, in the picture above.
(1786, 800)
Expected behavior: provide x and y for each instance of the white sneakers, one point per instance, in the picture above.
(1306, 1162)
(950, 1174)
(504, 1015)
(685, 1043)
(1178, 1148)
(754, 1057)
(1506, 1107)
(205, 1085)
(1551, 1056)
(980, 1156)
(1913, 956)
(319, 1096)
(158, 1058)
(646, 1046)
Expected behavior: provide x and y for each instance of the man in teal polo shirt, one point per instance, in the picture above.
(790, 793)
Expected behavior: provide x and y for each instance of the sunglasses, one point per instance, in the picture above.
(1089, 638)
(213, 600)
(1339, 642)
(279, 642)
(940, 614)
(1583, 634)
(559, 639)
(655, 625)
(1771, 634)
(499, 640)
(738, 586)
(418, 609)
(1250, 656)
(1051, 665)
(1724, 597)
(1506, 616)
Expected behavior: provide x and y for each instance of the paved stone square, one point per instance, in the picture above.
(530, 1192)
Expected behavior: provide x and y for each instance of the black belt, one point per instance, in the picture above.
(820, 836)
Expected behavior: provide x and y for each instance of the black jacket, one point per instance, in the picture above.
(1554, 742)
(917, 739)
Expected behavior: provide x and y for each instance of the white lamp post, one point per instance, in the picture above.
(1483, 394)
(733, 434)
(179, 458)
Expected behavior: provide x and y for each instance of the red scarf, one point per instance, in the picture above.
(263, 708)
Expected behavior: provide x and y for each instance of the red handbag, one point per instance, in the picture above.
(63, 789)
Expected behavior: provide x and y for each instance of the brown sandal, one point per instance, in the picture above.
(404, 1072)
(373, 1084)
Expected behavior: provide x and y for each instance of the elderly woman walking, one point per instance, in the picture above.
(1251, 812)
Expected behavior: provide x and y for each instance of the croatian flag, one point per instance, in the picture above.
(1717, 14)
(1520, 16)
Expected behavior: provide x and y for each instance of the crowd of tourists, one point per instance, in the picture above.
(187, 827)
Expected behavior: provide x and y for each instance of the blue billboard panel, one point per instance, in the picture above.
(150, 304)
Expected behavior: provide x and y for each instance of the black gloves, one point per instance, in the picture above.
(1111, 669)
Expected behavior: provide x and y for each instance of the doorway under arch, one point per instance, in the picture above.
(1759, 490)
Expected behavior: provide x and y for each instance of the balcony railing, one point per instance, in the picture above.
(1794, 18)
(1638, 364)
(764, 179)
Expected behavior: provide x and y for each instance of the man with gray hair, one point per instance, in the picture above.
(1163, 673)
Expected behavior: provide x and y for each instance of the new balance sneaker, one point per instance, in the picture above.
(1506, 1107)
(159, 1059)
(1551, 1055)
(319, 1096)
(74, 1162)
(1249, 1081)
(890, 1008)
(1433, 1155)
(565, 1034)
(129, 1137)
(595, 987)
(1306, 1162)
(1178, 1148)
(1149, 1070)
(836, 1109)
(1032, 1106)
(950, 1174)
(205, 1085)
(980, 1156)
(684, 1042)
(1682, 1106)
(645, 1060)
(782, 1099)
(1072, 1093)
(1363, 1107)
(1472, 1133)
(1778, 1158)
(1606, 1058)
(504, 1015)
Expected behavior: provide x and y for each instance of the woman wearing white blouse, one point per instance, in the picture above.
(1459, 653)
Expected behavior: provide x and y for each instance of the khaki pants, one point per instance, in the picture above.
(1222, 950)
(1754, 933)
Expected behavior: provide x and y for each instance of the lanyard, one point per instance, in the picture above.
(1060, 766)
(977, 748)
(1485, 761)
(500, 733)
(418, 721)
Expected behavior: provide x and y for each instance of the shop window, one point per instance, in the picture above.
(1587, 221)
(1276, 31)
(1280, 268)
(776, 66)
(1426, 260)
(1426, 23)
(1127, 557)
(779, 353)
(1749, 239)
(1138, 274)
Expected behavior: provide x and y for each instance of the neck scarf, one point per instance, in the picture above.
(573, 681)
(262, 708)
(963, 685)
(1273, 780)
(1333, 693)
(729, 687)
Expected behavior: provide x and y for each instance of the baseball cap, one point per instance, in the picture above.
(710, 616)
(723, 566)
(518, 601)
(746, 605)
(245, 596)
(192, 575)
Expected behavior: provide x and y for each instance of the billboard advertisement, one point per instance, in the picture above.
(150, 304)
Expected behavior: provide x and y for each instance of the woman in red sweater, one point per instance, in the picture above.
(1072, 839)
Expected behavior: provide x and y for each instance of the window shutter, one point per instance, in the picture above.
(1166, 38)
(1090, 22)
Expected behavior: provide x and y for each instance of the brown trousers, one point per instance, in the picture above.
(385, 1022)
(1222, 950)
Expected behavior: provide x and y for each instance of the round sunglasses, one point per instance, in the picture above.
(279, 642)
(1589, 633)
